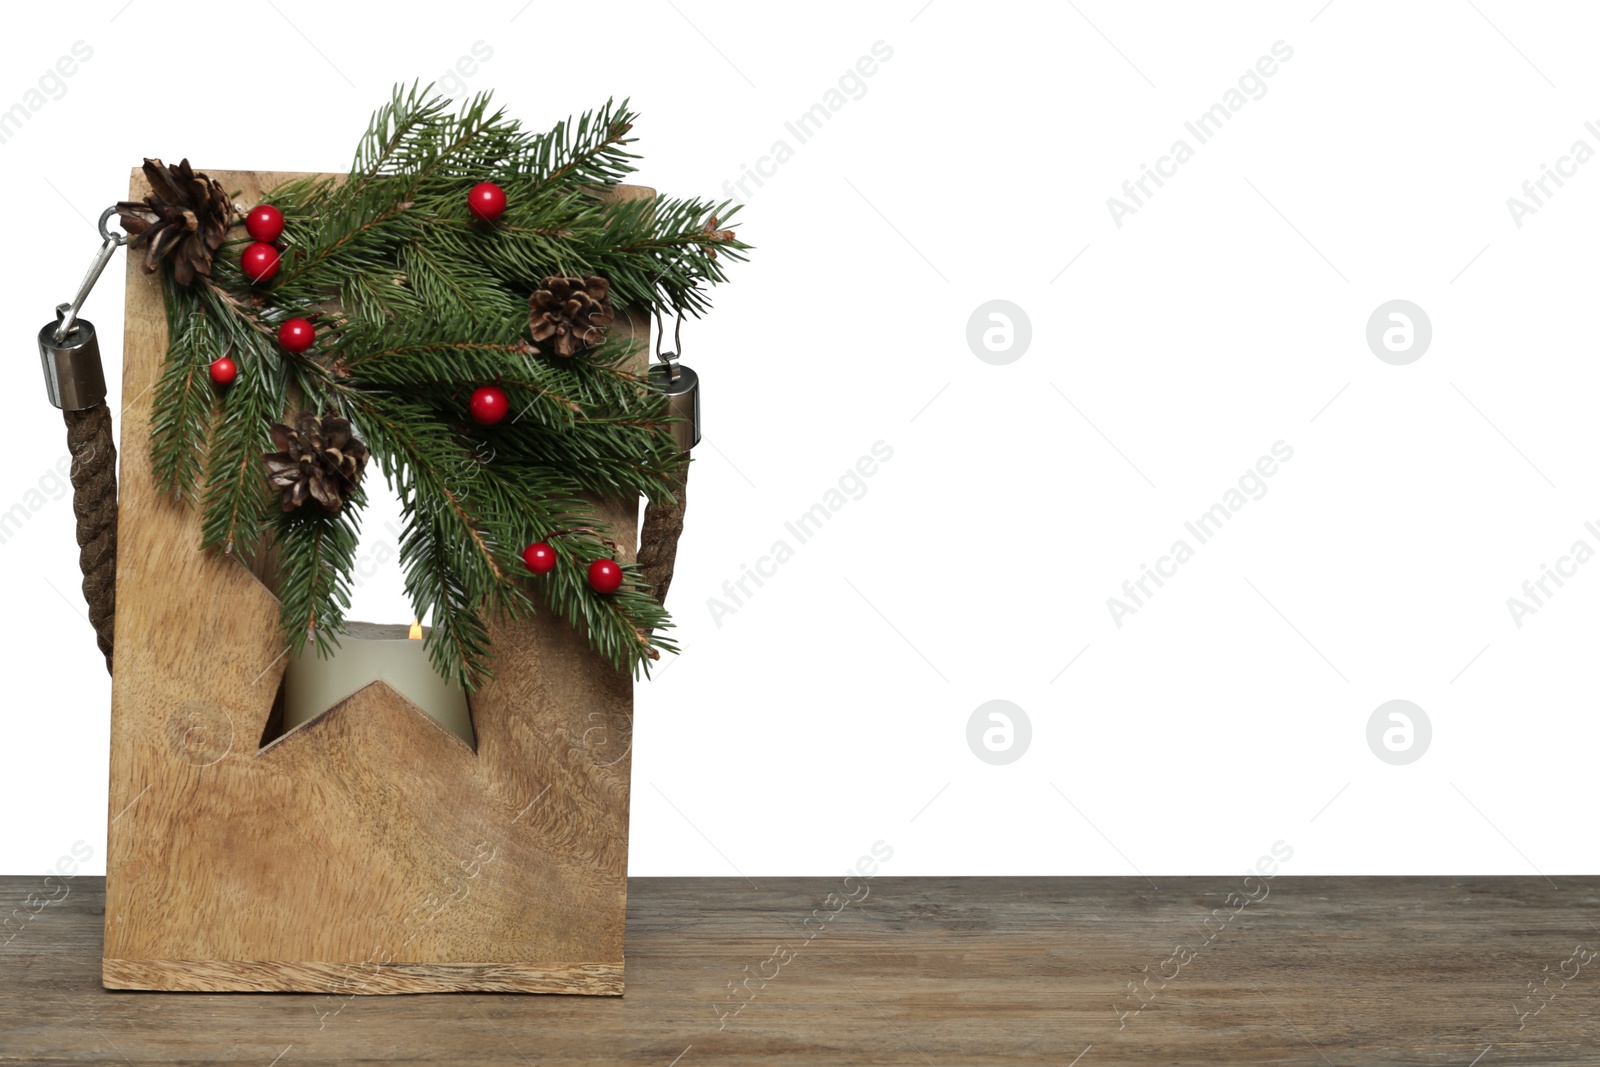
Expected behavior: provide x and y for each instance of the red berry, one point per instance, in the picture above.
(605, 576)
(296, 335)
(224, 370)
(487, 201)
(259, 262)
(264, 222)
(489, 404)
(540, 558)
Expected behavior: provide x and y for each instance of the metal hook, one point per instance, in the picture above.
(671, 358)
(111, 242)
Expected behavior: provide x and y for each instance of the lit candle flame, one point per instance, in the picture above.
(416, 629)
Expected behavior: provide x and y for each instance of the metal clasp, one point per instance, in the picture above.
(68, 313)
(680, 385)
(670, 359)
(69, 351)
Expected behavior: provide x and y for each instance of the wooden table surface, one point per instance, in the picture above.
(1318, 971)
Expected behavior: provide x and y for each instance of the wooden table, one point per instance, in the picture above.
(959, 971)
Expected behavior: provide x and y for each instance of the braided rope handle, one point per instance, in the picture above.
(658, 537)
(94, 502)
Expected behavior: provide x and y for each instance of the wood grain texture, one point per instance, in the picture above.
(369, 851)
(1358, 972)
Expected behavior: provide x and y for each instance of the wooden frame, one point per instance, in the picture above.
(368, 851)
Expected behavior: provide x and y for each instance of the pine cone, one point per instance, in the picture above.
(575, 311)
(321, 461)
(185, 217)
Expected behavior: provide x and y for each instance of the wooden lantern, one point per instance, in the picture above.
(370, 850)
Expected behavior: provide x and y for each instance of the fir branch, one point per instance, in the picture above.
(481, 525)
(629, 627)
(315, 561)
(605, 428)
(235, 494)
(181, 412)
(416, 303)
(450, 567)
(392, 126)
(458, 642)
(445, 284)
(589, 151)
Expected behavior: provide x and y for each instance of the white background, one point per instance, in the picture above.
(1229, 313)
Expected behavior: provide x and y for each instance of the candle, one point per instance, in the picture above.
(373, 652)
